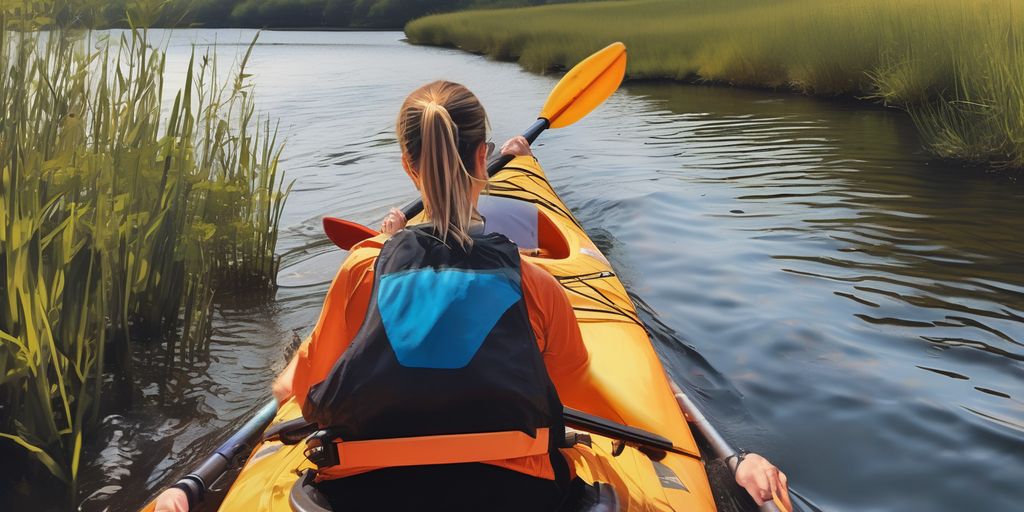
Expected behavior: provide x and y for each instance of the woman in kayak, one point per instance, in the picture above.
(435, 362)
(455, 341)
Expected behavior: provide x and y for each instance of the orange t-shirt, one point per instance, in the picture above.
(551, 316)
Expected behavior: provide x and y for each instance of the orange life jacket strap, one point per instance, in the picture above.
(440, 449)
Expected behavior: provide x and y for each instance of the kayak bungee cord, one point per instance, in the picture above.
(601, 298)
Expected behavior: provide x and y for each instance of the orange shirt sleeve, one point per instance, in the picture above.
(340, 319)
(554, 324)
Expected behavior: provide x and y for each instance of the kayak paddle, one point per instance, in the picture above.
(721, 447)
(196, 483)
(579, 92)
(345, 233)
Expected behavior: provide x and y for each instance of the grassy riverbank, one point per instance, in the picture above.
(118, 222)
(956, 66)
(392, 14)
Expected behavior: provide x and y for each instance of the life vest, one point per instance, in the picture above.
(445, 368)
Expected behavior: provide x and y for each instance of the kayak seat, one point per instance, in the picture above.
(600, 497)
(304, 496)
(523, 223)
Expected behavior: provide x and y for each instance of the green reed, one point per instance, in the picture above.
(957, 66)
(119, 222)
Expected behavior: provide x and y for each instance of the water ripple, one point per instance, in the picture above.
(849, 307)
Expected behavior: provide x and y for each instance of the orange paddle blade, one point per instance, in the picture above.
(782, 501)
(586, 86)
(345, 234)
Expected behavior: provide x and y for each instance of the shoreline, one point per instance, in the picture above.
(698, 81)
(944, 64)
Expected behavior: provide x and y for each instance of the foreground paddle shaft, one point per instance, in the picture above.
(718, 443)
(197, 482)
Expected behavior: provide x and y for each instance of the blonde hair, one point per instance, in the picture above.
(440, 127)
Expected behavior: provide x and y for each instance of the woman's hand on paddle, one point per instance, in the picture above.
(393, 222)
(172, 500)
(762, 480)
(516, 146)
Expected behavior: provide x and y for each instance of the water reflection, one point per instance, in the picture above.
(829, 265)
(832, 297)
(903, 231)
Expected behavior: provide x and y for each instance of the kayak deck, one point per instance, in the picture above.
(624, 382)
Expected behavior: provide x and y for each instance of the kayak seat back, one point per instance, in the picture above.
(523, 223)
(517, 220)
(600, 497)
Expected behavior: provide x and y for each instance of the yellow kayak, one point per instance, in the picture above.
(625, 382)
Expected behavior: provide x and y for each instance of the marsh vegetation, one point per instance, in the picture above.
(119, 220)
(956, 67)
(293, 13)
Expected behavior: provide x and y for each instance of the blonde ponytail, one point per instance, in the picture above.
(440, 127)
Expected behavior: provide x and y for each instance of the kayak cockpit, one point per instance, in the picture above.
(599, 497)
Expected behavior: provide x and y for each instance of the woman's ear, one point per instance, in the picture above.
(480, 161)
(413, 175)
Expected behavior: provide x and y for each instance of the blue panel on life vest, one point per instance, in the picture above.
(439, 318)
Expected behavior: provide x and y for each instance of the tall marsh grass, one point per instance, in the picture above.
(118, 223)
(957, 66)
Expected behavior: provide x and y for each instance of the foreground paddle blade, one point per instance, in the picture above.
(345, 234)
(586, 86)
(782, 502)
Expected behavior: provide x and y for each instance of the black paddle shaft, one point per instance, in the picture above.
(197, 482)
(416, 206)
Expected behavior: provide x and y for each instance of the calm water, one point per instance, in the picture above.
(858, 310)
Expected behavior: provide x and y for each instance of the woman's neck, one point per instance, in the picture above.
(476, 223)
